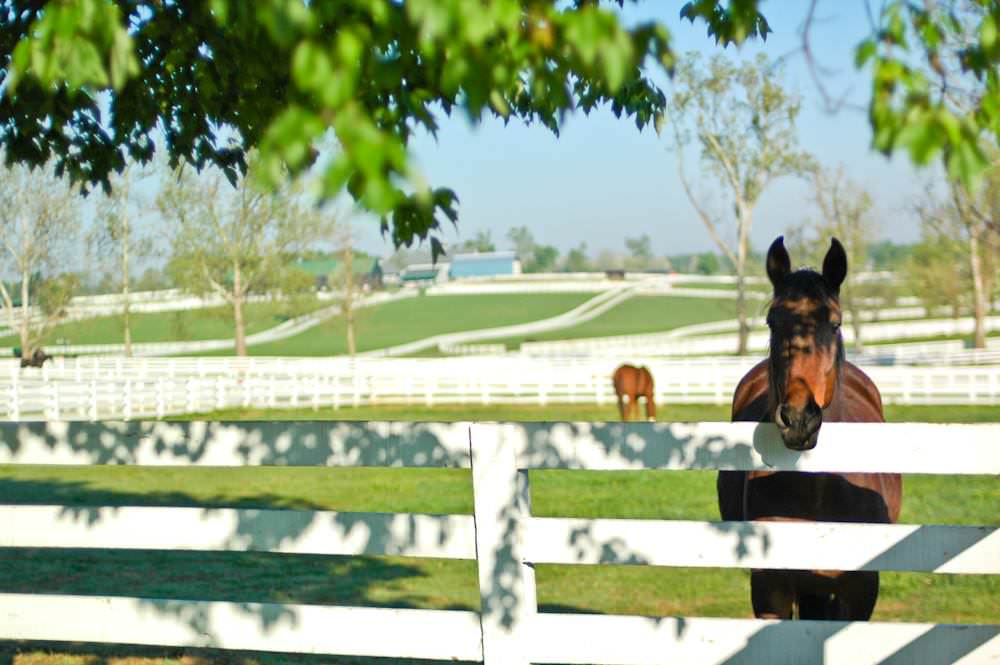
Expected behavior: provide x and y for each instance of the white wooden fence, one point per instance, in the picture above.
(684, 341)
(121, 388)
(505, 540)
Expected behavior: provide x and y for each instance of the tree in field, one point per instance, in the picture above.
(708, 264)
(936, 270)
(742, 123)
(544, 259)
(280, 74)
(115, 233)
(577, 260)
(534, 257)
(38, 226)
(345, 282)
(524, 244)
(482, 242)
(844, 212)
(640, 252)
(971, 219)
(237, 241)
(978, 216)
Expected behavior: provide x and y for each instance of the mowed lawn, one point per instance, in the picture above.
(641, 314)
(182, 325)
(427, 583)
(416, 318)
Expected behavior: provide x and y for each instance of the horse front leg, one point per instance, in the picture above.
(772, 593)
(621, 408)
(852, 600)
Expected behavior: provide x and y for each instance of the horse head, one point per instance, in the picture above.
(806, 345)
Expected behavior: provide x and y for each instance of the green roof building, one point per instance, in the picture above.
(367, 270)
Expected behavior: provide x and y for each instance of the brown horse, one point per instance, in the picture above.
(37, 359)
(634, 382)
(803, 383)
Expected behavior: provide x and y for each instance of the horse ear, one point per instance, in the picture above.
(778, 263)
(835, 265)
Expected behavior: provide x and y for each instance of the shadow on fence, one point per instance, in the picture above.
(639, 446)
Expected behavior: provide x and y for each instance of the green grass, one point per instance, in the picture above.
(570, 412)
(641, 314)
(426, 583)
(193, 324)
(416, 318)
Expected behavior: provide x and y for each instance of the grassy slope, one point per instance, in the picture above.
(423, 316)
(194, 324)
(642, 314)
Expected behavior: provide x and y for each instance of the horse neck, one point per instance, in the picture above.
(856, 398)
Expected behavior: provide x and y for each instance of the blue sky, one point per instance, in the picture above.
(602, 180)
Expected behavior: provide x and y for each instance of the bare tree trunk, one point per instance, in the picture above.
(238, 323)
(125, 288)
(25, 328)
(851, 305)
(351, 344)
(979, 294)
(348, 300)
(743, 220)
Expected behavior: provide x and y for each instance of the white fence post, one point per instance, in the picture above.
(53, 387)
(220, 393)
(161, 398)
(93, 400)
(506, 583)
(15, 396)
(127, 402)
(189, 385)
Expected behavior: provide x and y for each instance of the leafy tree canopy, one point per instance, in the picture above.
(219, 78)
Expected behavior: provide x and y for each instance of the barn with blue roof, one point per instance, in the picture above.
(484, 264)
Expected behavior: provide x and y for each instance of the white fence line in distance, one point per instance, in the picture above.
(120, 388)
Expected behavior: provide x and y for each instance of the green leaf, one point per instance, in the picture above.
(863, 53)
(923, 138)
(967, 163)
(988, 33)
(311, 67)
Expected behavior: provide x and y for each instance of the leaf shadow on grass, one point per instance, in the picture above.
(266, 444)
(87, 653)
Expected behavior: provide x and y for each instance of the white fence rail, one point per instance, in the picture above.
(505, 540)
(121, 388)
(684, 341)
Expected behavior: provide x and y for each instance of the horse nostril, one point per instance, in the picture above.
(786, 416)
(813, 413)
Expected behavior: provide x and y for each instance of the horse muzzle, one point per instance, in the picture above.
(799, 428)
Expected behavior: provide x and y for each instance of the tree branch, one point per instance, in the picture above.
(705, 217)
(727, 165)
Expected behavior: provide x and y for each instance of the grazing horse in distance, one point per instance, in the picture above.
(37, 359)
(804, 382)
(634, 382)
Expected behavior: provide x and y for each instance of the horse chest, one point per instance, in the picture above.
(828, 497)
